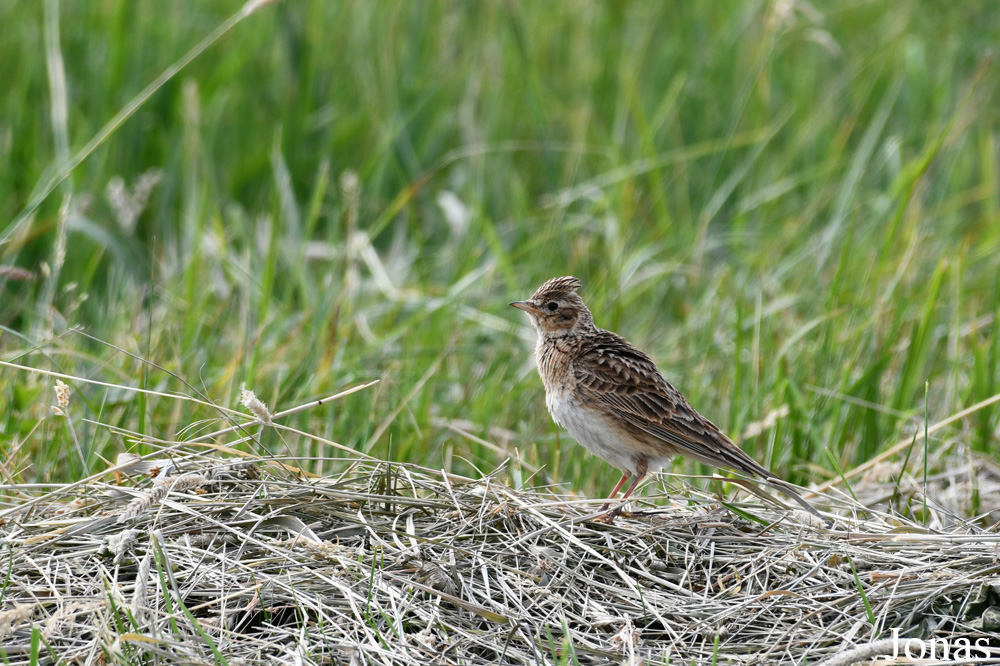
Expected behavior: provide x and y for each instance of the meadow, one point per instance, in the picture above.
(793, 206)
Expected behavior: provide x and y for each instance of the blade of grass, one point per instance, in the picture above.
(861, 590)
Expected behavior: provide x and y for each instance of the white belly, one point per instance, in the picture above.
(594, 433)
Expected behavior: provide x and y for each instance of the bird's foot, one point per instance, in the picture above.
(609, 517)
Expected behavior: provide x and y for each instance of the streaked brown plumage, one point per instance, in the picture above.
(612, 399)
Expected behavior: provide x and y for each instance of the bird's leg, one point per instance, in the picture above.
(640, 472)
(621, 482)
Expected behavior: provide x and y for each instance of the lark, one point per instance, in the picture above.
(612, 399)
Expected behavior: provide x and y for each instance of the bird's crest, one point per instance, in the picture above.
(556, 287)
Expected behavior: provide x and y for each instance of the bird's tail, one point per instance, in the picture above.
(732, 456)
(792, 491)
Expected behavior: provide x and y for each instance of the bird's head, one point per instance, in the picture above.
(556, 310)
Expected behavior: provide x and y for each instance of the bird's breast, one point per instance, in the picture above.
(561, 404)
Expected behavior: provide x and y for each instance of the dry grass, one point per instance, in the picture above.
(198, 558)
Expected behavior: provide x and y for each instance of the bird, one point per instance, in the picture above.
(611, 397)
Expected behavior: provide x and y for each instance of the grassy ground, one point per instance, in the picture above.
(229, 561)
(793, 207)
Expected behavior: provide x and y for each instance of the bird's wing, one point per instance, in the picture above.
(613, 372)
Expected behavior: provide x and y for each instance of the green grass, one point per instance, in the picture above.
(795, 211)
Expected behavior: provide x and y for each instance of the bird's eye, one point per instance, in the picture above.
(552, 306)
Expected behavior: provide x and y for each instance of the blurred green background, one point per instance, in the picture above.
(792, 206)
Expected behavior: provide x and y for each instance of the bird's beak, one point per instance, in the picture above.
(526, 306)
